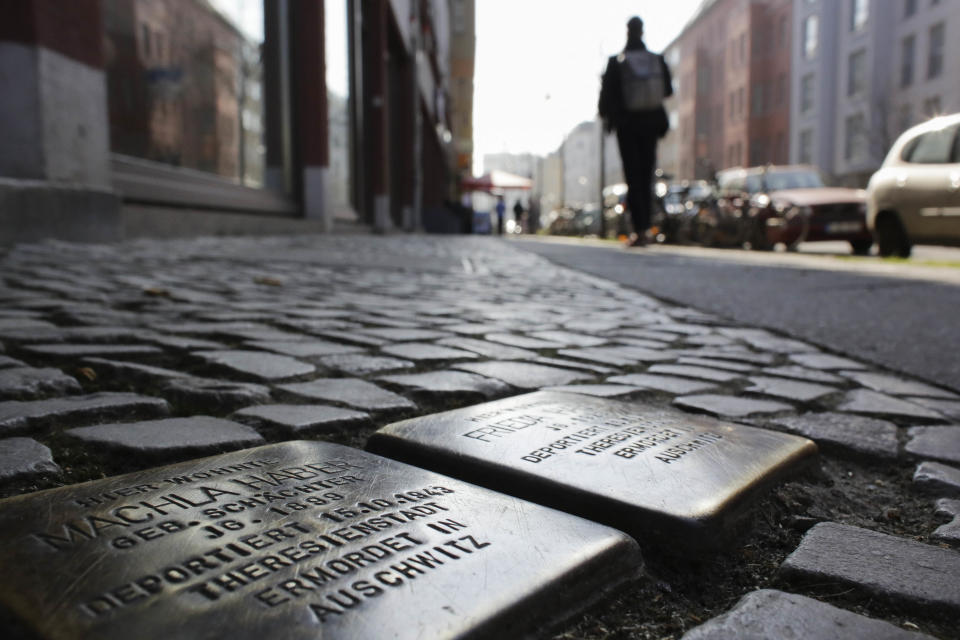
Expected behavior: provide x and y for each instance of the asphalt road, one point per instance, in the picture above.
(902, 316)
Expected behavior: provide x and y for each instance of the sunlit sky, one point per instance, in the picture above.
(539, 62)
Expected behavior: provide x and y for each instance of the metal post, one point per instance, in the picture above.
(603, 171)
(416, 223)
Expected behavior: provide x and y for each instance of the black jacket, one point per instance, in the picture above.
(611, 100)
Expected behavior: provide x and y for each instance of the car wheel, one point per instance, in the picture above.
(758, 237)
(892, 239)
(706, 234)
(861, 247)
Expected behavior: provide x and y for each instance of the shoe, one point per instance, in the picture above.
(639, 241)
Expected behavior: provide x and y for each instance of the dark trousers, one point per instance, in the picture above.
(638, 153)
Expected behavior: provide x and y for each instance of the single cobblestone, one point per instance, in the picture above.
(936, 443)
(881, 565)
(768, 614)
(420, 351)
(93, 349)
(949, 532)
(524, 375)
(23, 458)
(948, 408)
(523, 342)
(406, 335)
(898, 386)
(622, 355)
(802, 373)
(350, 391)
(872, 403)
(302, 419)
(257, 364)
(208, 394)
(832, 431)
(568, 339)
(17, 416)
(739, 367)
(356, 364)
(597, 390)
(6, 362)
(730, 406)
(488, 349)
(132, 370)
(566, 363)
(304, 348)
(698, 373)
(788, 389)
(667, 384)
(448, 382)
(936, 477)
(171, 436)
(29, 382)
(825, 361)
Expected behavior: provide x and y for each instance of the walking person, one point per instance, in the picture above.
(501, 210)
(631, 102)
(518, 215)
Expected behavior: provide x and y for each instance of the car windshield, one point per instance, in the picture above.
(800, 179)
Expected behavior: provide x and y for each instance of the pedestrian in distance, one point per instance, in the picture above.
(518, 215)
(634, 86)
(501, 210)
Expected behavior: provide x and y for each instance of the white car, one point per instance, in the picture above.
(915, 195)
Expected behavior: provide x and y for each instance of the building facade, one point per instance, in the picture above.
(731, 67)
(864, 71)
(119, 111)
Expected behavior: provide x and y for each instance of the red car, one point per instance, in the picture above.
(791, 204)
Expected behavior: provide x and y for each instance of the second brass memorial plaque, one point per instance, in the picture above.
(653, 472)
(297, 540)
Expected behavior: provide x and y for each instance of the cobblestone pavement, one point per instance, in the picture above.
(122, 358)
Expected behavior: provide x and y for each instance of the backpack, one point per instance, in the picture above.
(641, 78)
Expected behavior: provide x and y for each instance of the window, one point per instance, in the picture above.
(909, 8)
(853, 143)
(856, 72)
(935, 54)
(933, 147)
(859, 10)
(810, 28)
(806, 147)
(806, 93)
(906, 60)
(733, 105)
(740, 101)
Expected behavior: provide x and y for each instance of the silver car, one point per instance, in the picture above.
(915, 195)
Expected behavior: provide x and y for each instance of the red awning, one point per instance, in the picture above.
(496, 181)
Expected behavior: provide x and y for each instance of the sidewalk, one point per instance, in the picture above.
(196, 347)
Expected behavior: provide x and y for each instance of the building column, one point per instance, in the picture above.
(313, 135)
(55, 176)
(278, 135)
(377, 156)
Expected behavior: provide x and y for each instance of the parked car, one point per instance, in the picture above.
(915, 195)
(676, 209)
(575, 221)
(791, 204)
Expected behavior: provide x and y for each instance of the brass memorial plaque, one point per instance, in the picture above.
(297, 540)
(653, 472)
